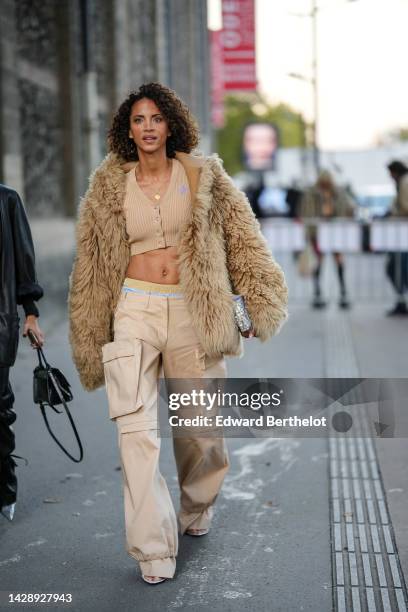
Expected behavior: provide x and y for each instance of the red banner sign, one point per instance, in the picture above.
(238, 45)
(217, 80)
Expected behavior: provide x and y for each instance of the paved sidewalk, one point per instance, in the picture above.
(271, 544)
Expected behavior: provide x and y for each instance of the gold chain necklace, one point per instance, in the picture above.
(157, 194)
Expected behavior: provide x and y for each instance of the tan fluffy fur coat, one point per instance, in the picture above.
(221, 250)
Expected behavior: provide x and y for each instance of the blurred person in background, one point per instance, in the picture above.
(18, 285)
(325, 200)
(397, 263)
(253, 191)
(293, 199)
(260, 143)
(164, 239)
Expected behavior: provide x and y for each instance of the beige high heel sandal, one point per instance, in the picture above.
(197, 532)
(150, 579)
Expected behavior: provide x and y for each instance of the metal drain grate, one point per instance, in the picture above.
(366, 571)
(367, 575)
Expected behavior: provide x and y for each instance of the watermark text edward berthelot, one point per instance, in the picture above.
(269, 420)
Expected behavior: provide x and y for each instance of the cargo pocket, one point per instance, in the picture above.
(121, 363)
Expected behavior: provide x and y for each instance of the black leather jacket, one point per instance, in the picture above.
(18, 281)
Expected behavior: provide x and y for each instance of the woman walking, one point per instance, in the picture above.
(322, 201)
(163, 241)
(18, 285)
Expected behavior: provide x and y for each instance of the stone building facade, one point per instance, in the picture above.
(65, 65)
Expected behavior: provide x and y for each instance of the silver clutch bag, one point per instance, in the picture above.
(241, 315)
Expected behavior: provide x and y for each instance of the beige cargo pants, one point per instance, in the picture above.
(154, 336)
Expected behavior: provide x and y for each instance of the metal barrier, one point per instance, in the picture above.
(365, 249)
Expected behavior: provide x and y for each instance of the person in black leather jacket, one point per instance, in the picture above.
(18, 285)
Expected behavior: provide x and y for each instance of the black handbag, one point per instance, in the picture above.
(51, 388)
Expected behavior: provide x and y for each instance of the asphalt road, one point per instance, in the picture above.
(268, 547)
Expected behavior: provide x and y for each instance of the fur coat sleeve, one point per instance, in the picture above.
(253, 271)
(89, 294)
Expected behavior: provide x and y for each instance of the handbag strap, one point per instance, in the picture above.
(42, 359)
(40, 353)
(78, 439)
(53, 436)
(50, 377)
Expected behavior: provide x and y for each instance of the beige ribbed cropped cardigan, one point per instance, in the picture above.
(155, 225)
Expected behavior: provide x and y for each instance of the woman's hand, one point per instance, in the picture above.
(250, 333)
(31, 323)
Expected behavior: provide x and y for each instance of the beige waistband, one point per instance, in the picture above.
(148, 286)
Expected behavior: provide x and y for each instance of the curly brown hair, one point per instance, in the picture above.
(182, 125)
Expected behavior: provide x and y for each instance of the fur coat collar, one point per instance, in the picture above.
(221, 251)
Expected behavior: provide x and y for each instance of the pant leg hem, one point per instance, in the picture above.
(195, 520)
(164, 568)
